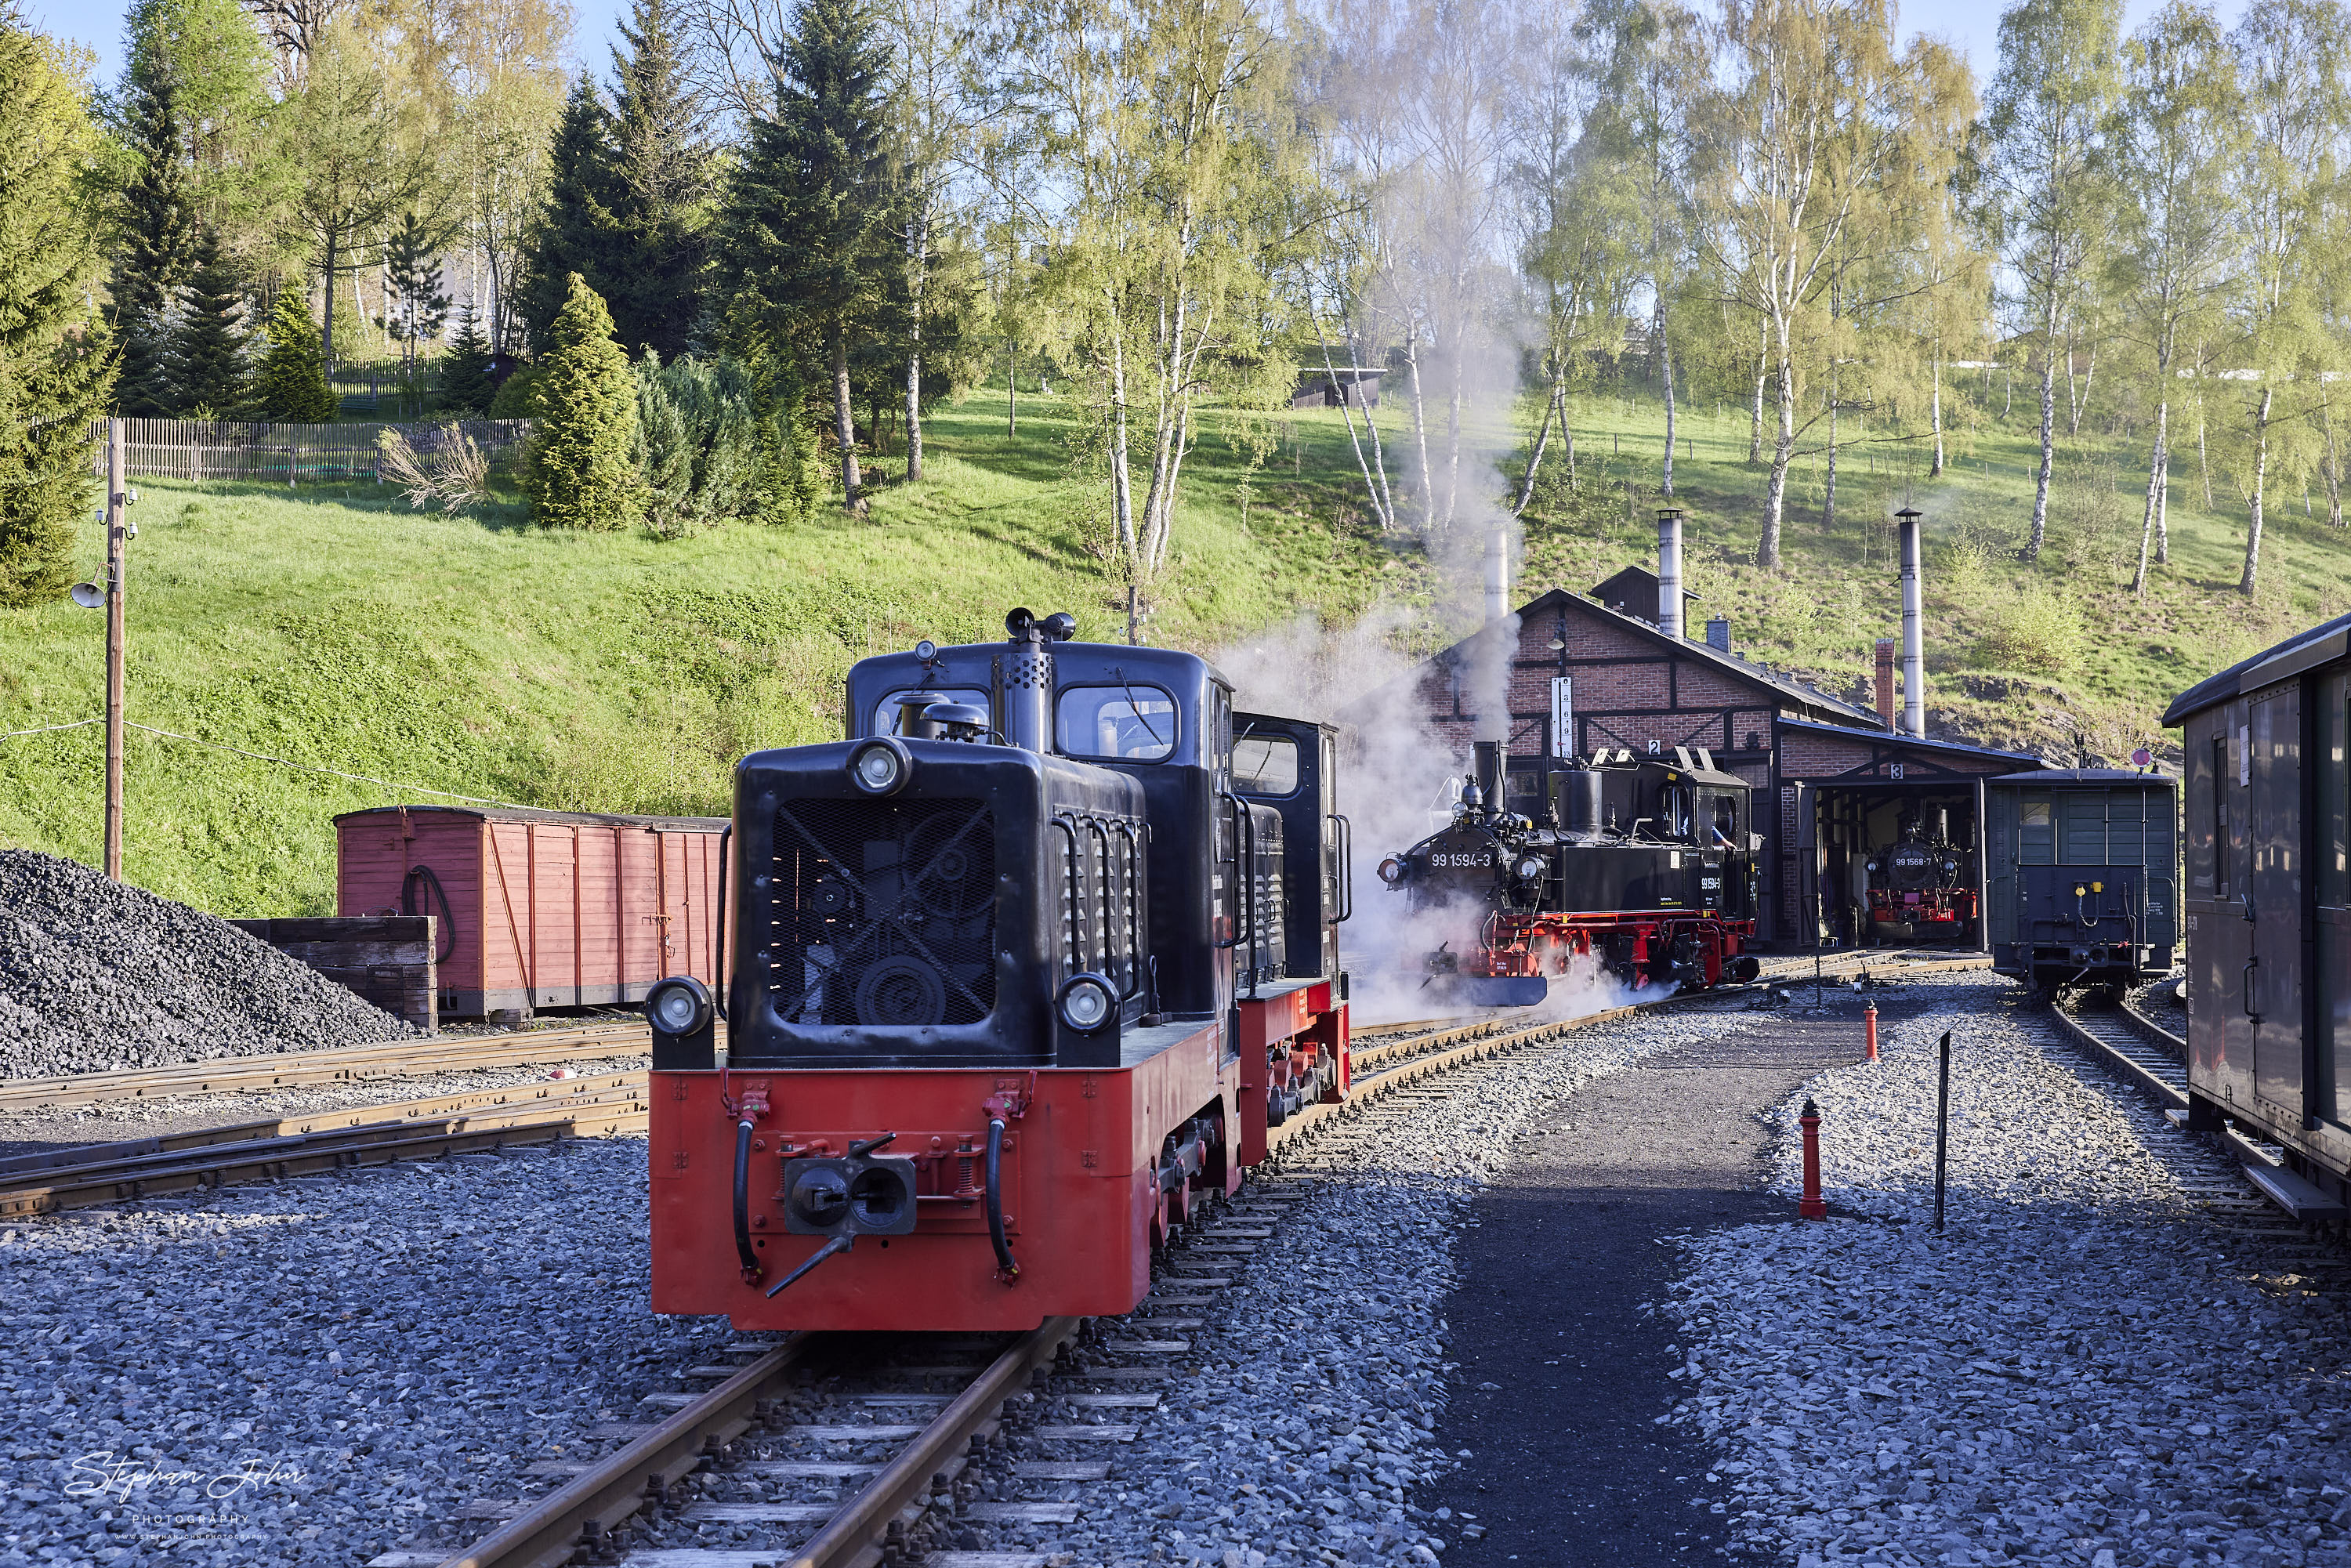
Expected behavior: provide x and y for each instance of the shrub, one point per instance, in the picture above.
(518, 395)
(291, 383)
(580, 470)
(701, 443)
(450, 470)
(465, 368)
(2038, 633)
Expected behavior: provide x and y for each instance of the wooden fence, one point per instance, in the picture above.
(287, 454)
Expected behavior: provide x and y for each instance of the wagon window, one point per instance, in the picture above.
(1265, 765)
(1122, 722)
(2220, 815)
(2036, 837)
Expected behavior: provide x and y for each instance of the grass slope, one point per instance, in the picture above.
(336, 628)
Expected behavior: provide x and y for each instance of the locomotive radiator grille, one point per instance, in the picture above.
(1100, 893)
(883, 913)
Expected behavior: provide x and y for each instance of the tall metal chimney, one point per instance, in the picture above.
(1498, 573)
(1670, 572)
(1886, 680)
(1914, 654)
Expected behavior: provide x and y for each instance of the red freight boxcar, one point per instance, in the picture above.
(540, 909)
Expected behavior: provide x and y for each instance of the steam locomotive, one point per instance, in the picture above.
(1647, 866)
(1918, 887)
(1018, 970)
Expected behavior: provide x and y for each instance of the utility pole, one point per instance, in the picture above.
(116, 525)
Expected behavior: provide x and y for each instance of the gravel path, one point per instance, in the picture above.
(335, 1361)
(29, 1132)
(97, 976)
(2091, 1367)
(1307, 1446)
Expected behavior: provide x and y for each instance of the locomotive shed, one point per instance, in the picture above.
(1597, 673)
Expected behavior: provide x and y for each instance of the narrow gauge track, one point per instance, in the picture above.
(2243, 1184)
(398, 1058)
(755, 1399)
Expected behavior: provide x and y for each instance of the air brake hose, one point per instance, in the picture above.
(751, 1270)
(1006, 1268)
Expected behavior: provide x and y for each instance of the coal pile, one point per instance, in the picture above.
(95, 975)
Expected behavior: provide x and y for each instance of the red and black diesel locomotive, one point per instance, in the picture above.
(1646, 865)
(1018, 970)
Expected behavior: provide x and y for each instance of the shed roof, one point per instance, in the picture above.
(2291, 657)
(532, 814)
(2086, 777)
(1895, 737)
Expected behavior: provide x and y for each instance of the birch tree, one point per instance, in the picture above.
(2291, 62)
(2040, 163)
(1173, 127)
(2177, 146)
(1811, 117)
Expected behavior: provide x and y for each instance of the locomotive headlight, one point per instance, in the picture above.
(1528, 869)
(1392, 871)
(679, 1005)
(1086, 1002)
(880, 767)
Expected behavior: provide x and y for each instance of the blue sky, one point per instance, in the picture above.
(1974, 28)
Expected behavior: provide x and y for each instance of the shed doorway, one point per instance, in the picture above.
(1892, 864)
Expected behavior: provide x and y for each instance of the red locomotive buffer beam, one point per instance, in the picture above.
(1097, 1165)
(1933, 907)
(1692, 948)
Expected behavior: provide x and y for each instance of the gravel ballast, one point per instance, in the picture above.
(97, 976)
(2110, 1359)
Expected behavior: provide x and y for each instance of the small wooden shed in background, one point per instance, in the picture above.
(540, 909)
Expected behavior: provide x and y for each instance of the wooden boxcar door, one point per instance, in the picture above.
(2273, 982)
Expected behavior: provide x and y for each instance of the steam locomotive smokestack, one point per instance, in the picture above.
(1489, 773)
(1498, 574)
(1914, 654)
(1669, 573)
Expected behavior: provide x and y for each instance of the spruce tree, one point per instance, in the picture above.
(661, 186)
(158, 227)
(56, 370)
(804, 244)
(412, 270)
(581, 471)
(207, 357)
(291, 383)
(574, 231)
(466, 384)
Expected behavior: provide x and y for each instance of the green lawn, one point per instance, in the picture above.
(334, 627)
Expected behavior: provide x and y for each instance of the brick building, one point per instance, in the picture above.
(1588, 674)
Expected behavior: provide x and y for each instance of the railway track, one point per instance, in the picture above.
(347, 1064)
(2241, 1180)
(788, 1443)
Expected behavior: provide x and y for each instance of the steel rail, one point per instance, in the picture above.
(274, 1159)
(620, 1483)
(2117, 1062)
(404, 1059)
(858, 1526)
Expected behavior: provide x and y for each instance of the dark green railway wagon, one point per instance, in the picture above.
(2081, 876)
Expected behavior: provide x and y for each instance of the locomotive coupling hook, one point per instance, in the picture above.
(1812, 1206)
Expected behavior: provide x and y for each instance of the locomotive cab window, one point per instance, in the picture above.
(1726, 823)
(886, 714)
(1117, 723)
(1673, 806)
(1265, 765)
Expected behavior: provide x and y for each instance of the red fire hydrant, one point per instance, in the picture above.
(1813, 1205)
(1869, 1032)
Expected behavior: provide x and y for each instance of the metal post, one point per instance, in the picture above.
(1869, 1032)
(115, 523)
(1942, 1129)
(1130, 615)
(1812, 1206)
